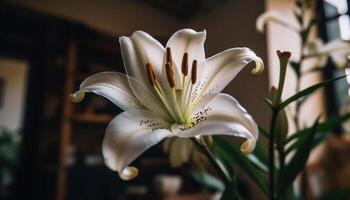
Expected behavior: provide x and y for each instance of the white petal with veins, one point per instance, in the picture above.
(150, 51)
(113, 86)
(129, 134)
(190, 41)
(221, 115)
(222, 68)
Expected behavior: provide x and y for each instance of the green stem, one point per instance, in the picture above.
(272, 154)
(206, 151)
(218, 168)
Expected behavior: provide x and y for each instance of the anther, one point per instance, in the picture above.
(168, 56)
(151, 75)
(194, 72)
(184, 67)
(170, 74)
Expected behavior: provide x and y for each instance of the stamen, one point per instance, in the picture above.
(169, 58)
(194, 72)
(184, 67)
(151, 75)
(170, 75)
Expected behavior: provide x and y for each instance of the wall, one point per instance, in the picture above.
(13, 73)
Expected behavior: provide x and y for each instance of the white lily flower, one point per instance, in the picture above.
(278, 18)
(338, 50)
(171, 91)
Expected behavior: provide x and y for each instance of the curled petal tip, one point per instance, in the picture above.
(76, 97)
(128, 173)
(247, 146)
(259, 67)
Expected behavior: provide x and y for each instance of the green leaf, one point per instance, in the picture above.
(233, 153)
(260, 153)
(225, 162)
(295, 66)
(263, 131)
(230, 192)
(268, 102)
(328, 125)
(297, 163)
(341, 194)
(209, 180)
(307, 91)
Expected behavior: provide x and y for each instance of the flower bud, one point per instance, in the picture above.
(281, 129)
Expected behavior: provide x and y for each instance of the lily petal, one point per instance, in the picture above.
(128, 135)
(179, 150)
(150, 51)
(338, 50)
(190, 41)
(222, 68)
(276, 17)
(112, 85)
(138, 80)
(133, 64)
(221, 115)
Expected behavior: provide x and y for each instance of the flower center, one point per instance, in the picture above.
(177, 97)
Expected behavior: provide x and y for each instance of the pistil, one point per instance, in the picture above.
(189, 88)
(171, 80)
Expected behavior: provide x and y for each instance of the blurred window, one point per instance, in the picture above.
(334, 23)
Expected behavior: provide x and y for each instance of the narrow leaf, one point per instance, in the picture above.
(297, 163)
(268, 102)
(233, 153)
(230, 192)
(263, 131)
(328, 125)
(307, 91)
(260, 153)
(209, 180)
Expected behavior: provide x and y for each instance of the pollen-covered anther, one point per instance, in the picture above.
(184, 67)
(247, 146)
(76, 97)
(194, 72)
(169, 57)
(170, 75)
(151, 75)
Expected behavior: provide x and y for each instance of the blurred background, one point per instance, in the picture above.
(51, 148)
